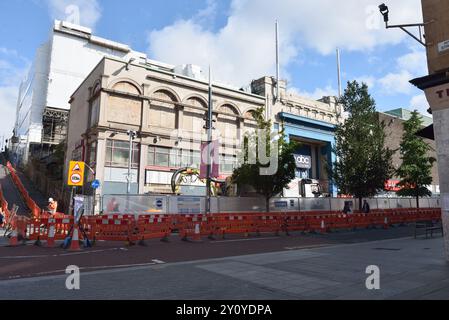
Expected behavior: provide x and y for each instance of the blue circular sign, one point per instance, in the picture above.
(159, 203)
(95, 184)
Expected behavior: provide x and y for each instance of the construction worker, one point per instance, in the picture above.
(52, 206)
(2, 217)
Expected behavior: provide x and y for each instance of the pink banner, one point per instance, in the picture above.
(214, 159)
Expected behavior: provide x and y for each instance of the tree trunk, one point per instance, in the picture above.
(417, 202)
(360, 204)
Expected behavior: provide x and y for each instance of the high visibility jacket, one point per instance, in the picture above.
(53, 205)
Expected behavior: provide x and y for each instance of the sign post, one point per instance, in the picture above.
(75, 178)
(95, 186)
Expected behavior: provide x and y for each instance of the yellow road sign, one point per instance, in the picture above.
(76, 174)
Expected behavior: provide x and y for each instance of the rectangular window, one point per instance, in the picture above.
(227, 163)
(92, 153)
(117, 154)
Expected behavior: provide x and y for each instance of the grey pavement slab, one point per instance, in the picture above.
(416, 271)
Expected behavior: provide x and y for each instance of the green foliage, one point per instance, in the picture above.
(363, 163)
(415, 170)
(250, 174)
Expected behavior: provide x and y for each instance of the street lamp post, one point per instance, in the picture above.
(132, 135)
(209, 141)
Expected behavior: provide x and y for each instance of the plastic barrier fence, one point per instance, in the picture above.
(128, 229)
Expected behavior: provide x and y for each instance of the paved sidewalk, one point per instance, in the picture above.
(409, 269)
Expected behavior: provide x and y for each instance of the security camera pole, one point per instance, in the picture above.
(385, 13)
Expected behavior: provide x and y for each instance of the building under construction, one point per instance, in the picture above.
(59, 67)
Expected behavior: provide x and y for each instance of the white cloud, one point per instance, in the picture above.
(82, 12)
(414, 62)
(419, 102)
(8, 101)
(394, 83)
(10, 78)
(244, 48)
(408, 66)
(318, 93)
(370, 81)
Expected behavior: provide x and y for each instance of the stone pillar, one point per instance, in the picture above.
(102, 117)
(142, 165)
(99, 169)
(441, 131)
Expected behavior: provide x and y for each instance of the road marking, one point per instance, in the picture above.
(157, 261)
(308, 247)
(238, 240)
(95, 268)
(59, 255)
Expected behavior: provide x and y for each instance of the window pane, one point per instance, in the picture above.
(161, 159)
(162, 150)
(174, 157)
(150, 160)
(121, 145)
(120, 157)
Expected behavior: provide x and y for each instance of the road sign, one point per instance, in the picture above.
(76, 174)
(95, 184)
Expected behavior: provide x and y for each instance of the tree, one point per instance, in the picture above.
(363, 163)
(257, 173)
(415, 170)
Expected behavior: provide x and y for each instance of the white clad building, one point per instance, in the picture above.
(60, 66)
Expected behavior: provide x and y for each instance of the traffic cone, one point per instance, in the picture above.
(51, 236)
(323, 227)
(13, 241)
(197, 234)
(74, 244)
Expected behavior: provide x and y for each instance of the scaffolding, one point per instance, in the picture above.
(54, 129)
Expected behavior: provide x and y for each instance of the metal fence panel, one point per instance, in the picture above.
(314, 204)
(134, 204)
(168, 204)
(423, 202)
(187, 204)
(383, 203)
(284, 204)
(229, 205)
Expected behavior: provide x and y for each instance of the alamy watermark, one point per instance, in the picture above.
(373, 280)
(73, 280)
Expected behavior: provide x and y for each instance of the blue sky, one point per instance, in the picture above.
(236, 37)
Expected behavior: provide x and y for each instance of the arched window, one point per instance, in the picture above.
(250, 123)
(228, 123)
(193, 118)
(124, 109)
(163, 111)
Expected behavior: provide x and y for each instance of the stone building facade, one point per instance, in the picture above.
(166, 109)
(167, 106)
(394, 129)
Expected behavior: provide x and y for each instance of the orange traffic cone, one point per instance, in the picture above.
(51, 236)
(13, 241)
(74, 244)
(323, 227)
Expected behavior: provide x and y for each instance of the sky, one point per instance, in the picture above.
(237, 39)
